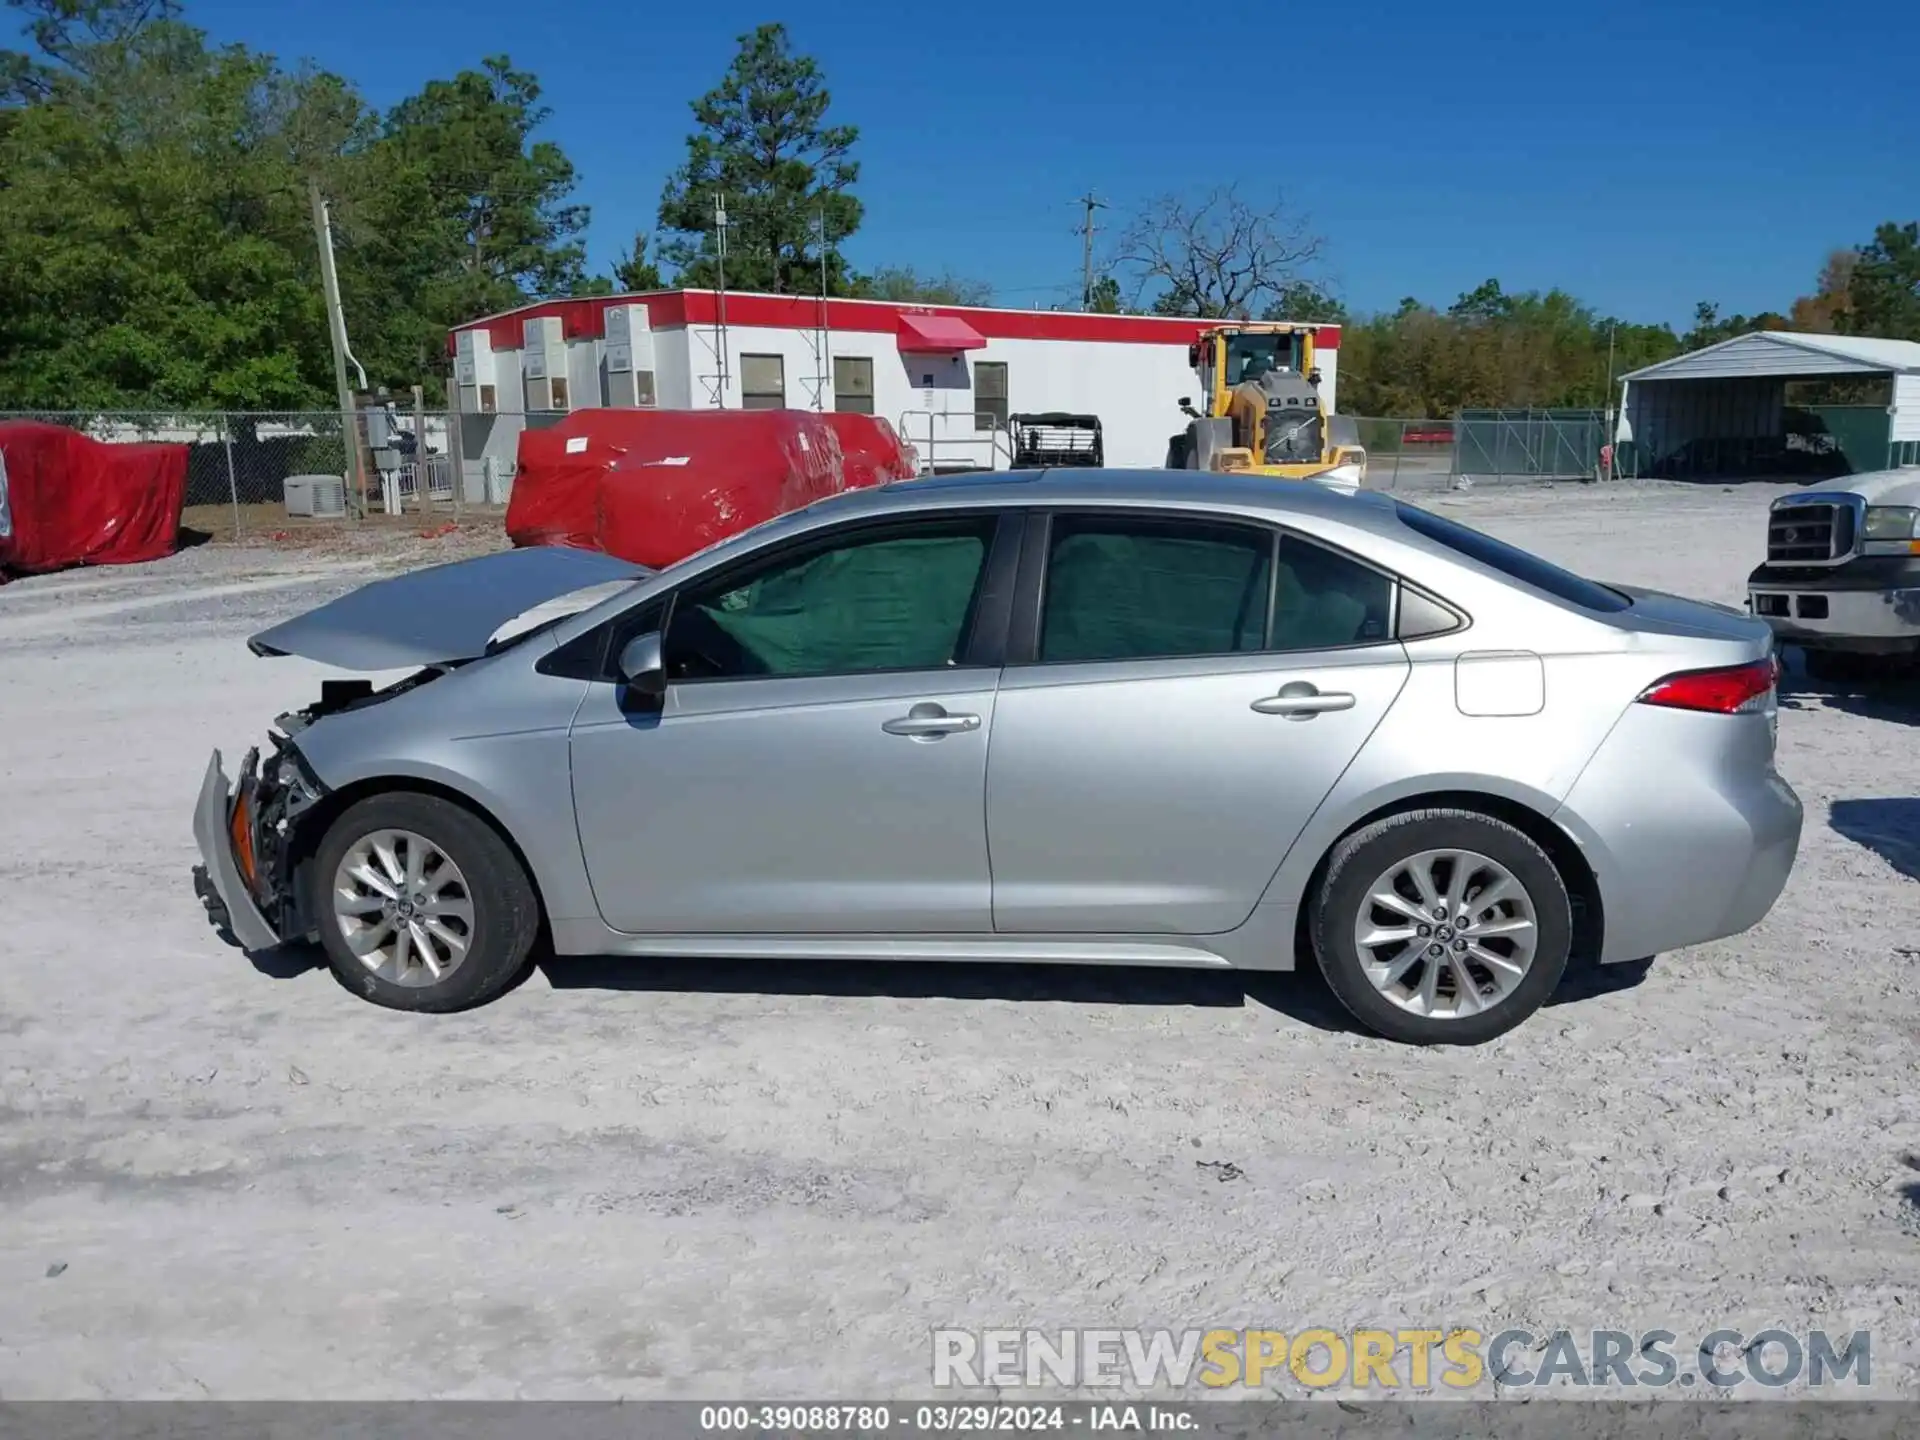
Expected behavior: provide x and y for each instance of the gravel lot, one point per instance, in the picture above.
(746, 1180)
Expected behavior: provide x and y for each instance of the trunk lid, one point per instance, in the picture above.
(1656, 613)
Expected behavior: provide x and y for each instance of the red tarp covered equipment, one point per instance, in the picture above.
(66, 499)
(654, 486)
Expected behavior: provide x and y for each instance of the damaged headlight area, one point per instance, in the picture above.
(262, 824)
(270, 795)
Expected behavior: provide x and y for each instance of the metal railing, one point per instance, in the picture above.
(990, 448)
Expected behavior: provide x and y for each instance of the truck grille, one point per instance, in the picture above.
(1812, 534)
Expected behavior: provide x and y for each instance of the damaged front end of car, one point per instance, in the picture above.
(255, 833)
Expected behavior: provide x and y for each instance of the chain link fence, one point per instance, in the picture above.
(1406, 454)
(1528, 444)
(254, 472)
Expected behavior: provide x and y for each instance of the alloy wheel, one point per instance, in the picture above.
(1445, 934)
(403, 907)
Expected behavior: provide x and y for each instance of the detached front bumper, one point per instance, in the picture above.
(219, 880)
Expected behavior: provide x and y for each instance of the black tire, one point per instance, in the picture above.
(1370, 852)
(506, 911)
(1179, 451)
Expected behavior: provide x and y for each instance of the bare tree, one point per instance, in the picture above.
(1221, 256)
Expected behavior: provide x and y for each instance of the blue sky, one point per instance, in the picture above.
(1644, 154)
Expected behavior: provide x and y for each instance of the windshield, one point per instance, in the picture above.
(1250, 356)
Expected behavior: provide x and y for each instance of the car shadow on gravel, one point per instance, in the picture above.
(1300, 994)
(1895, 700)
(1890, 828)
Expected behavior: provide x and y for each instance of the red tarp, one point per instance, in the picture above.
(71, 500)
(654, 486)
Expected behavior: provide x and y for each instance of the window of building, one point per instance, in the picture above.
(989, 394)
(853, 384)
(489, 399)
(895, 599)
(560, 395)
(763, 382)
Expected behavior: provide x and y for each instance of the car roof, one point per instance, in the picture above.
(1279, 499)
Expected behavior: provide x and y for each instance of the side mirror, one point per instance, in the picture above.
(642, 666)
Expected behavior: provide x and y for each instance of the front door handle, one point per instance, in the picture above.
(929, 722)
(1301, 701)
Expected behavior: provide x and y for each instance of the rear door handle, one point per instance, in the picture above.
(1302, 702)
(930, 721)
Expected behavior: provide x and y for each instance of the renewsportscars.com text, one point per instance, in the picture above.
(1399, 1358)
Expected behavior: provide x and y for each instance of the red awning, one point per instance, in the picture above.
(928, 333)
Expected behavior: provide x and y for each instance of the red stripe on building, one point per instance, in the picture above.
(669, 308)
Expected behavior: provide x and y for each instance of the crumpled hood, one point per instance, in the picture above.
(442, 614)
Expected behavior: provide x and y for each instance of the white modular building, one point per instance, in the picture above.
(946, 376)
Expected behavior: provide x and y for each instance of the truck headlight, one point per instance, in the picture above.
(1891, 530)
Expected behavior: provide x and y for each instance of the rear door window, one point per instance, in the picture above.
(1142, 587)
(1325, 601)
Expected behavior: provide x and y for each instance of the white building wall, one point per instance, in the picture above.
(932, 399)
(1905, 425)
(672, 375)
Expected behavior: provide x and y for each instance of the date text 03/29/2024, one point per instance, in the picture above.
(944, 1419)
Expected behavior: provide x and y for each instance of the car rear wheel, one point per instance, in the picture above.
(422, 906)
(1441, 927)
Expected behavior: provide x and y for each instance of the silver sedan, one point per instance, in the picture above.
(1086, 716)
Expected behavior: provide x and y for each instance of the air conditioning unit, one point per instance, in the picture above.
(543, 364)
(474, 373)
(317, 497)
(629, 357)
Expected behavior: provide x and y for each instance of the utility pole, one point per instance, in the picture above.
(337, 331)
(1086, 257)
(720, 276)
(826, 327)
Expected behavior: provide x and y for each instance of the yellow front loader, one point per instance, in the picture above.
(1264, 414)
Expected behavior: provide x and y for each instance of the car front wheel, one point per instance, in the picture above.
(1441, 927)
(422, 906)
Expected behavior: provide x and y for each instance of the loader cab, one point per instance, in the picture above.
(1229, 357)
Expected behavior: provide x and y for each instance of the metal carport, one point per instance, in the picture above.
(1722, 412)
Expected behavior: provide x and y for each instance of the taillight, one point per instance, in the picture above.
(1735, 690)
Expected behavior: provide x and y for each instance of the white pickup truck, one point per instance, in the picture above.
(1842, 578)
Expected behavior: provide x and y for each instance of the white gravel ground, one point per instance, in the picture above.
(757, 1180)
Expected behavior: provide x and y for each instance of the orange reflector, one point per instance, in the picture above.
(240, 828)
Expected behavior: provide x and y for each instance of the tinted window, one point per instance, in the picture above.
(1514, 562)
(1130, 589)
(1323, 601)
(892, 600)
